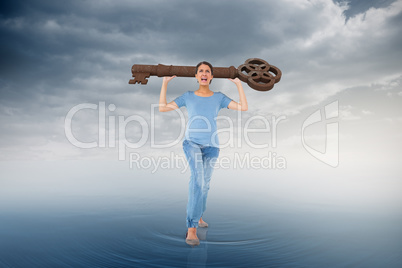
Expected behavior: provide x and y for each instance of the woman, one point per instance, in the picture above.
(201, 144)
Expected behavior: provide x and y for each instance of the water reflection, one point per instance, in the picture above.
(197, 256)
(132, 223)
(139, 239)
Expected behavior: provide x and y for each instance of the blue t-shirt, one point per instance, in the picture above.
(202, 113)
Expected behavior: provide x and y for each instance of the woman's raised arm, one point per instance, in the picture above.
(242, 104)
(163, 105)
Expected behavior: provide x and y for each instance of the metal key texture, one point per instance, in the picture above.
(257, 73)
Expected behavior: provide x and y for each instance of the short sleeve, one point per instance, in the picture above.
(181, 100)
(225, 101)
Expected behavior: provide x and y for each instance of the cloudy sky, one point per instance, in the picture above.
(328, 150)
(57, 55)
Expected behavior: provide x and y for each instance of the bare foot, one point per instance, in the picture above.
(192, 233)
(202, 223)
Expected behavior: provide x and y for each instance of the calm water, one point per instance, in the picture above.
(72, 216)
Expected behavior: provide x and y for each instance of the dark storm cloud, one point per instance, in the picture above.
(360, 6)
(40, 34)
(56, 49)
(48, 45)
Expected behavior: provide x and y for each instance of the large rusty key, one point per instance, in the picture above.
(257, 73)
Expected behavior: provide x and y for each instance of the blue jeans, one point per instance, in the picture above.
(201, 160)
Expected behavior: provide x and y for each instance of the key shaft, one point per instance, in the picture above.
(161, 70)
(257, 73)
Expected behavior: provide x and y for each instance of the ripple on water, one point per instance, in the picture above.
(240, 245)
(141, 239)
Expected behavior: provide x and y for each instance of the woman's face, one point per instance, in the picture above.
(204, 75)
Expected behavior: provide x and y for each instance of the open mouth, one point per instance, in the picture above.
(204, 79)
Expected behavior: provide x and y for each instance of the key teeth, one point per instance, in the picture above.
(140, 78)
(136, 81)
